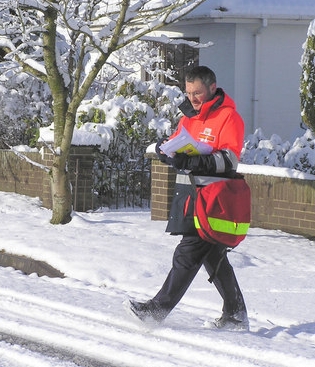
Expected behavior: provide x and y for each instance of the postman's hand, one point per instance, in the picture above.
(162, 156)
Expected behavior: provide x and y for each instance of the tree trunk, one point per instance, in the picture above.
(60, 177)
(61, 192)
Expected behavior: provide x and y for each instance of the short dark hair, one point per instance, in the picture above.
(206, 75)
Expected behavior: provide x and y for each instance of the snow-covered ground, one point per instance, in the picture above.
(110, 256)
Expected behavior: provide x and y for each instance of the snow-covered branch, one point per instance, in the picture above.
(101, 27)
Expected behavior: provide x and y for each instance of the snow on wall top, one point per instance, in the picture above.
(291, 9)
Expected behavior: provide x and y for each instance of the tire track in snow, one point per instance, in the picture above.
(60, 326)
(54, 356)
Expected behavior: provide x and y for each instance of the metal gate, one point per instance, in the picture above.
(123, 189)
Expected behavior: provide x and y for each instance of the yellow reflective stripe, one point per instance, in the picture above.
(196, 221)
(226, 226)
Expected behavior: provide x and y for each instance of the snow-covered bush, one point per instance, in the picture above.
(24, 107)
(301, 156)
(273, 152)
(139, 113)
(258, 150)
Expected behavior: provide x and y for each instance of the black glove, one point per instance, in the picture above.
(180, 161)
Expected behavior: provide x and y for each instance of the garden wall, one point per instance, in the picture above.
(19, 176)
(282, 203)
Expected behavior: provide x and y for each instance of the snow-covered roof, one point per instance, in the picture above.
(282, 9)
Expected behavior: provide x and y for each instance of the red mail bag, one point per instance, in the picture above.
(222, 211)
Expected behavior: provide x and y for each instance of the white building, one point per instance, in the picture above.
(256, 53)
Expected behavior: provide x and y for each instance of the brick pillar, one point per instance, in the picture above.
(162, 187)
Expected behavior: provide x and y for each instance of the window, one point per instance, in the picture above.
(178, 58)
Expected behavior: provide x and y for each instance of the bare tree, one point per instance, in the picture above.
(66, 44)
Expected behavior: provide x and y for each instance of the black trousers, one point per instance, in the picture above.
(191, 253)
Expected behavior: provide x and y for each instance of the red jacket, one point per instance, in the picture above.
(222, 128)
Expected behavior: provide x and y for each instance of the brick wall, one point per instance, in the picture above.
(19, 176)
(283, 203)
(44, 189)
(277, 202)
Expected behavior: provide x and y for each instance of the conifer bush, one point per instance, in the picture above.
(307, 86)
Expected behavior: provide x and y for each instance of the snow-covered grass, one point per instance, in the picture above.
(110, 256)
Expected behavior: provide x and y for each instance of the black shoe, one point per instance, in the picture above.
(238, 321)
(148, 311)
